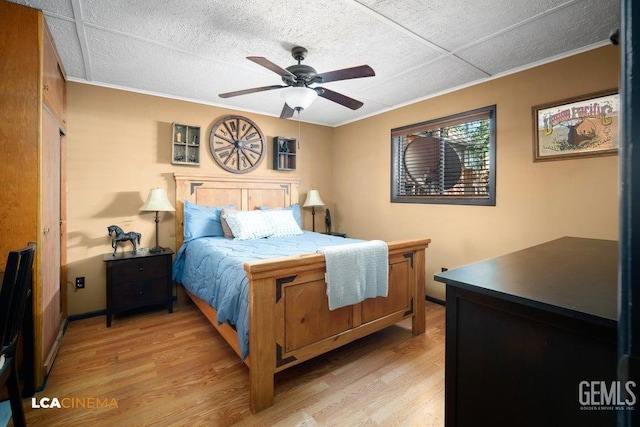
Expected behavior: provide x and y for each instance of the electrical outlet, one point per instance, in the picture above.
(443, 269)
(79, 282)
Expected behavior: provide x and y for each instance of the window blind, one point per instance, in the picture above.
(448, 160)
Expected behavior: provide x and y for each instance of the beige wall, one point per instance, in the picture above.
(120, 147)
(536, 202)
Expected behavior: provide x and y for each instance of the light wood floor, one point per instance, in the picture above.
(174, 369)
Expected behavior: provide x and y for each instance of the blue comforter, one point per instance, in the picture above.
(212, 268)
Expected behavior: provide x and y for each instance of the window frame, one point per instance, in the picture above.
(397, 157)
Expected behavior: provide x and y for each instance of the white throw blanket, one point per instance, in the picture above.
(356, 271)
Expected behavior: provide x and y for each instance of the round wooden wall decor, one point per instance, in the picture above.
(237, 144)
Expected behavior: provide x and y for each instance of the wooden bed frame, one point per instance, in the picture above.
(289, 317)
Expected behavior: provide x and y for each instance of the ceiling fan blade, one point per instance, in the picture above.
(287, 112)
(253, 90)
(346, 73)
(339, 98)
(271, 66)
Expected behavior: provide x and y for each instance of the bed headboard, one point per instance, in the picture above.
(245, 192)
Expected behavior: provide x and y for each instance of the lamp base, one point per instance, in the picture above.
(156, 250)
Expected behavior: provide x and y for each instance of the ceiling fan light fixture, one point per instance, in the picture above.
(299, 98)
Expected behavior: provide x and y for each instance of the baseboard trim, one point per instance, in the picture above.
(74, 317)
(434, 300)
(90, 314)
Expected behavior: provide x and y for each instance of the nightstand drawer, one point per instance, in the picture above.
(135, 270)
(138, 294)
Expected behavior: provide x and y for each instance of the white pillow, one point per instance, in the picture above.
(248, 225)
(282, 223)
(225, 227)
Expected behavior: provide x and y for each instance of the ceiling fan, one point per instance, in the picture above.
(298, 78)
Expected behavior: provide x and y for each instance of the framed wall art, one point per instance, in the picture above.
(583, 126)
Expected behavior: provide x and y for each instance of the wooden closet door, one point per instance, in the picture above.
(50, 302)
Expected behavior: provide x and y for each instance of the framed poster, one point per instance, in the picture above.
(583, 126)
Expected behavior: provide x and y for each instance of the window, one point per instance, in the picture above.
(449, 160)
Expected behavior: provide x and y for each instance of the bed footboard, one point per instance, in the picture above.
(290, 320)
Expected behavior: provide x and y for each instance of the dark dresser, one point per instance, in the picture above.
(524, 330)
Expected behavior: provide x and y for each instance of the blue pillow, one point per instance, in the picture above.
(297, 215)
(202, 221)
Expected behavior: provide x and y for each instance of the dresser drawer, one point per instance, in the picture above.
(139, 294)
(136, 270)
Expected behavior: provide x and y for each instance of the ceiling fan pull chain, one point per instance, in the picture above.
(299, 133)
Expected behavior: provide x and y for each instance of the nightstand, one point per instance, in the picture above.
(138, 280)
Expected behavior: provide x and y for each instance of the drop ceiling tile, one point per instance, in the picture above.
(130, 62)
(420, 82)
(336, 34)
(578, 25)
(62, 8)
(69, 51)
(453, 24)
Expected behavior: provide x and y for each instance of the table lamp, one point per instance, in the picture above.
(158, 202)
(313, 200)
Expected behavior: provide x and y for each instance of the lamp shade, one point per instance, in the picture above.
(157, 201)
(299, 98)
(313, 199)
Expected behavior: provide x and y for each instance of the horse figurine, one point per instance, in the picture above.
(327, 220)
(121, 236)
